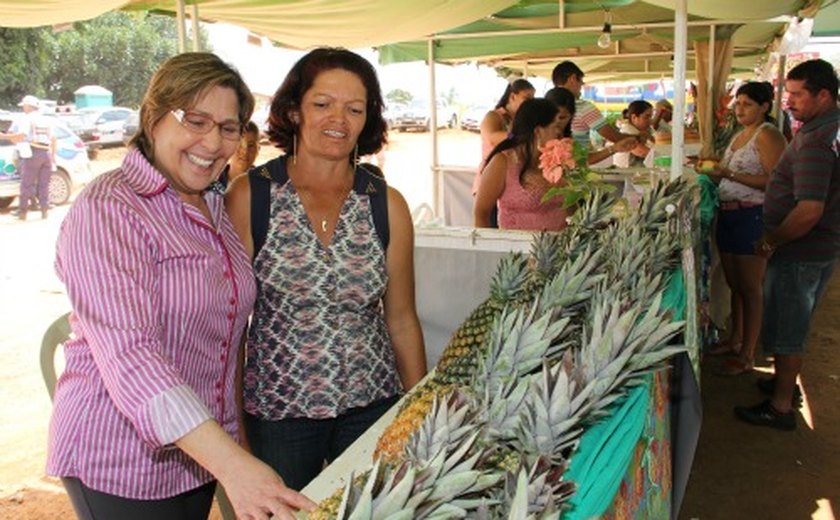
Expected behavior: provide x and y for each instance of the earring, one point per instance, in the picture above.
(294, 149)
(356, 155)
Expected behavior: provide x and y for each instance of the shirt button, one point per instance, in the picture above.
(233, 301)
(222, 358)
(225, 344)
(227, 274)
(230, 316)
(218, 384)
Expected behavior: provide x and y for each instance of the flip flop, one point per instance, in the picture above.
(734, 367)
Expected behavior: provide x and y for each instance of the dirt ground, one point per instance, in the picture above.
(739, 471)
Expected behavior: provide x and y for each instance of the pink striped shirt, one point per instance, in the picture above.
(160, 300)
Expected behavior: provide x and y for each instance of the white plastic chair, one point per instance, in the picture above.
(57, 334)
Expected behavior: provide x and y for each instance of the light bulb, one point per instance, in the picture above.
(605, 40)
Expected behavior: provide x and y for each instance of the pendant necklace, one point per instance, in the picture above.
(324, 224)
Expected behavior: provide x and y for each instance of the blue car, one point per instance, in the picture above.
(72, 165)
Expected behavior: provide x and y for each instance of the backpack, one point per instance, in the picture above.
(368, 180)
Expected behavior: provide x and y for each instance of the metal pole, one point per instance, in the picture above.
(711, 102)
(182, 29)
(437, 181)
(780, 85)
(680, 47)
(196, 45)
(561, 14)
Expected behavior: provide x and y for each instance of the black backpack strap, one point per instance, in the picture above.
(260, 179)
(370, 181)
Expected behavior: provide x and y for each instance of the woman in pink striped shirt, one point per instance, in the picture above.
(145, 418)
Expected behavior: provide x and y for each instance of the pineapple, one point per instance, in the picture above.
(418, 403)
(457, 362)
(439, 477)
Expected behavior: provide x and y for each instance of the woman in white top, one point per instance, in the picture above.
(742, 176)
(638, 116)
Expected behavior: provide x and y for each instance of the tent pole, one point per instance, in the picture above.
(182, 28)
(437, 181)
(196, 45)
(780, 85)
(561, 14)
(711, 102)
(680, 48)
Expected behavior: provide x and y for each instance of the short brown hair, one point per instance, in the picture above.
(287, 99)
(179, 83)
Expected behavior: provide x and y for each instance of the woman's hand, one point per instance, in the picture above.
(625, 145)
(257, 492)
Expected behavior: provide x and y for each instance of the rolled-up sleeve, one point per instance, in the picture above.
(108, 261)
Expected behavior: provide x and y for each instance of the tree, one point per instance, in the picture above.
(119, 51)
(399, 96)
(24, 63)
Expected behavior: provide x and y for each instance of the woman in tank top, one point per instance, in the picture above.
(512, 177)
(742, 176)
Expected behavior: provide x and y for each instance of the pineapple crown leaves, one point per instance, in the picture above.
(554, 414)
(516, 345)
(509, 281)
(537, 493)
(651, 337)
(596, 212)
(573, 284)
(502, 410)
(447, 431)
(604, 353)
(545, 257)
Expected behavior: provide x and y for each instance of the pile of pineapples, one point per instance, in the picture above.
(563, 334)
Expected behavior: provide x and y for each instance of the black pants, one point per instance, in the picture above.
(95, 505)
(298, 448)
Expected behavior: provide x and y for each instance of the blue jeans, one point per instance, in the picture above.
(792, 290)
(298, 448)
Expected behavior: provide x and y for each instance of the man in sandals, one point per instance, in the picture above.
(801, 237)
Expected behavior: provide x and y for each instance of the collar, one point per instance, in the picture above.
(832, 116)
(141, 176)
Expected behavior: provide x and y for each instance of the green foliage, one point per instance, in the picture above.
(399, 96)
(580, 181)
(119, 51)
(24, 63)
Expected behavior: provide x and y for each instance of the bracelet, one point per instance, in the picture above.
(766, 246)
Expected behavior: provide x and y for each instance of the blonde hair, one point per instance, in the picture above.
(179, 83)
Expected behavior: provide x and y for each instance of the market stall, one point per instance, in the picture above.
(637, 460)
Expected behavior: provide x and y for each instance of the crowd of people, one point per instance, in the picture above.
(247, 338)
(777, 230)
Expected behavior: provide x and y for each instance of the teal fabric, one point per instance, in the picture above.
(604, 455)
(673, 299)
(708, 202)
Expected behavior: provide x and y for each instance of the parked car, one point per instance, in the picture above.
(130, 127)
(72, 164)
(109, 123)
(417, 116)
(81, 124)
(472, 119)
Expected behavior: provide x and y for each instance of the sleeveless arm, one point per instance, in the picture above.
(238, 206)
(399, 302)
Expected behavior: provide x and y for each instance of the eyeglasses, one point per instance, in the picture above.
(202, 124)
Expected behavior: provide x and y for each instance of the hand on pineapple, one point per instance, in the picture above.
(257, 492)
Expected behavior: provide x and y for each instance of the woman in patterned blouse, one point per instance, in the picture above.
(335, 336)
(145, 415)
